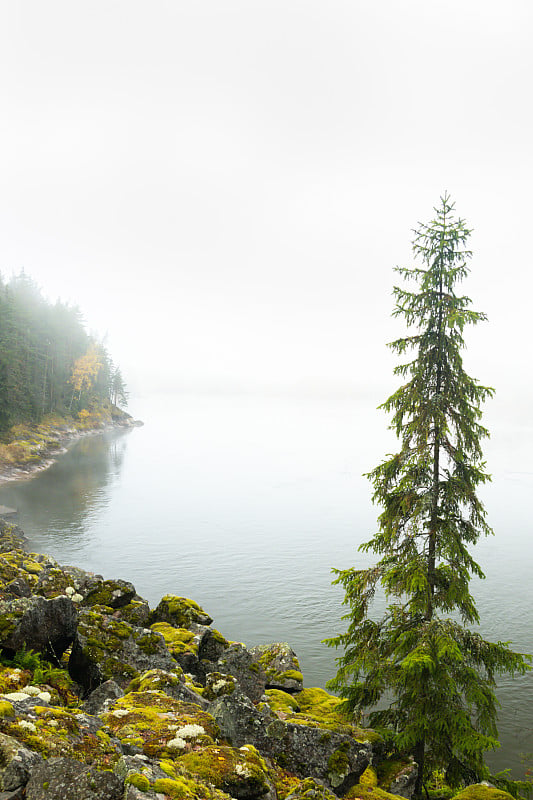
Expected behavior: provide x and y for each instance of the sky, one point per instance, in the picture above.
(224, 188)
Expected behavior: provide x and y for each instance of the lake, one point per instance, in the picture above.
(245, 503)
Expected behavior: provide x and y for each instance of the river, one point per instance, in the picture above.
(245, 502)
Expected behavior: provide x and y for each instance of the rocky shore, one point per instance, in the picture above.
(104, 698)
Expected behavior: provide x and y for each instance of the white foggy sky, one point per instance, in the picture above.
(225, 187)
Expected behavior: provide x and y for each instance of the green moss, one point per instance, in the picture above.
(229, 769)
(177, 640)
(478, 791)
(140, 782)
(282, 701)
(6, 709)
(150, 643)
(365, 792)
(338, 762)
(178, 788)
(291, 675)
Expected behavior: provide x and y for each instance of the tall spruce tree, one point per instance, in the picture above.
(423, 660)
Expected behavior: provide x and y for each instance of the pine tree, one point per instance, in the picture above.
(424, 658)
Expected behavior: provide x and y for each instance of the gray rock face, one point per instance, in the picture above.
(212, 646)
(16, 763)
(67, 779)
(250, 675)
(47, 626)
(281, 666)
(102, 697)
(106, 648)
(336, 759)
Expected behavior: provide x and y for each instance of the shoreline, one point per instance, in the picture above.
(62, 437)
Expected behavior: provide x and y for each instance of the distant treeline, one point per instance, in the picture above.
(48, 362)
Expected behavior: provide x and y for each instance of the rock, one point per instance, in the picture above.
(281, 666)
(217, 685)
(482, 791)
(66, 778)
(102, 697)
(179, 612)
(403, 782)
(238, 661)
(16, 763)
(47, 626)
(211, 645)
(110, 593)
(158, 680)
(136, 612)
(241, 773)
(336, 759)
(155, 724)
(18, 588)
(309, 789)
(106, 648)
(11, 537)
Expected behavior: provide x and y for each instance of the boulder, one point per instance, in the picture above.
(281, 666)
(16, 763)
(111, 593)
(66, 778)
(211, 645)
(47, 626)
(179, 612)
(334, 758)
(309, 789)
(106, 648)
(102, 697)
(241, 773)
(236, 660)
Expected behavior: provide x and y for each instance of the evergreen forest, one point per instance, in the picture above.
(49, 364)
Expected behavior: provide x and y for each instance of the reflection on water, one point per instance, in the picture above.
(245, 504)
(58, 507)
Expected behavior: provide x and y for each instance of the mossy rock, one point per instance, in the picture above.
(180, 612)
(53, 731)
(158, 724)
(481, 791)
(282, 702)
(217, 685)
(177, 640)
(364, 792)
(108, 648)
(309, 789)
(281, 666)
(112, 593)
(240, 773)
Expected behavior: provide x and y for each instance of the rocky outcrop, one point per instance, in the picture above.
(153, 705)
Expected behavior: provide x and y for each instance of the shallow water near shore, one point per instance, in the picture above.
(245, 502)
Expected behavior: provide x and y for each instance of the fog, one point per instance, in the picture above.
(224, 188)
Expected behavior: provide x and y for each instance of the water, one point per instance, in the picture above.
(244, 503)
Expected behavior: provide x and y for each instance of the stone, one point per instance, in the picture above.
(16, 763)
(238, 661)
(102, 697)
(46, 626)
(179, 612)
(211, 645)
(111, 593)
(66, 778)
(281, 666)
(336, 759)
(106, 648)
(309, 789)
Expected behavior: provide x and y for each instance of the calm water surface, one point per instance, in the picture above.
(244, 503)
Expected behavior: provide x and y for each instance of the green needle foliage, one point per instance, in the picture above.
(437, 676)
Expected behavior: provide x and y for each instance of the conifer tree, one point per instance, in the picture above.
(432, 671)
